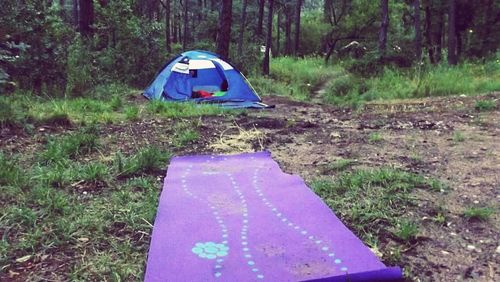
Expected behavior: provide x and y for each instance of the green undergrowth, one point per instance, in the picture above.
(75, 200)
(22, 109)
(294, 77)
(375, 203)
(428, 81)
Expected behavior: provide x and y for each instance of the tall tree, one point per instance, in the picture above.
(86, 17)
(278, 33)
(166, 6)
(328, 11)
(418, 30)
(384, 26)
(185, 33)
(428, 31)
(288, 29)
(75, 13)
(224, 30)
(269, 40)
(452, 35)
(260, 18)
(242, 27)
(298, 9)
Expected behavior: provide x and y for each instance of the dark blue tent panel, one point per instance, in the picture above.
(201, 70)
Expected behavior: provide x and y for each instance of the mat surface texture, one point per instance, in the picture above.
(240, 218)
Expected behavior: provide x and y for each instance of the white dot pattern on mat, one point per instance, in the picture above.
(209, 250)
(323, 247)
(244, 228)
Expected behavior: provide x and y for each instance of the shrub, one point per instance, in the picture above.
(485, 105)
(79, 69)
(11, 115)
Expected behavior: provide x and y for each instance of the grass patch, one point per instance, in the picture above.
(373, 201)
(406, 230)
(458, 136)
(145, 161)
(11, 113)
(294, 77)
(184, 110)
(431, 81)
(340, 164)
(131, 113)
(485, 105)
(69, 146)
(375, 137)
(184, 133)
(482, 214)
(11, 174)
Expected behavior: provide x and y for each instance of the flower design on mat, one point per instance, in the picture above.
(210, 250)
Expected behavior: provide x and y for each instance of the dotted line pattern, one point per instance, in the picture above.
(244, 229)
(327, 250)
(224, 231)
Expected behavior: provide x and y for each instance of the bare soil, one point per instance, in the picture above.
(417, 136)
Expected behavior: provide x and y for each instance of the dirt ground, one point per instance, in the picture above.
(445, 138)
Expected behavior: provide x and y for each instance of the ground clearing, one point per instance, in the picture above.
(449, 232)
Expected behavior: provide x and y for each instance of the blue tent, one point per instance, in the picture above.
(193, 73)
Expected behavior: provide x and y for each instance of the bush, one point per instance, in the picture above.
(79, 69)
(485, 105)
(11, 114)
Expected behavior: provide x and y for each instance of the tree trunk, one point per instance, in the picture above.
(384, 26)
(452, 39)
(185, 33)
(167, 26)
(260, 19)
(278, 34)
(75, 13)
(418, 31)
(439, 37)
(242, 27)
(86, 17)
(269, 41)
(62, 7)
(288, 29)
(298, 9)
(428, 31)
(224, 30)
(328, 11)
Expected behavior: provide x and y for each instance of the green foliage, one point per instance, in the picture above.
(458, 136)
(147, 160)
(482, 214)
(406, 230)
(94, 172)
(184, 134)
(131, 113)
(182, 110)
(467, 78)
(11, 114)
(70, 146)
(340, 164)
(375, 137)
(485, 105)
(11, 174)
(81, 76)
(294, 77)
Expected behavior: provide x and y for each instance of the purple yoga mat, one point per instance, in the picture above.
(240, 218)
